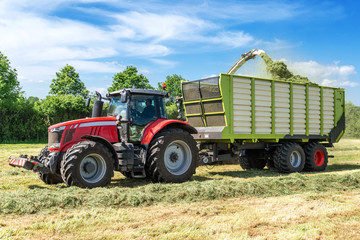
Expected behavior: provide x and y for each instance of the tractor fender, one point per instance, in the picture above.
(161, 124)
(105, 143)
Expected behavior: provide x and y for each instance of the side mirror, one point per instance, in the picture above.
(87, 102)
(124, 96)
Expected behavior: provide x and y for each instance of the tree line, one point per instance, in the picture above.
(27, 119)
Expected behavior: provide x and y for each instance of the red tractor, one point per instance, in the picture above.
(135, 138)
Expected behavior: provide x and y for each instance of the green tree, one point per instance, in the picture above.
(67, 81)
(9, 85)
(352, 120)
(129, 78)
(32, 100)
(173, 85)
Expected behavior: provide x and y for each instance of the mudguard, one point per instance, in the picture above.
(160, 124)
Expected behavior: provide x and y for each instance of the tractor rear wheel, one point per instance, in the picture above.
(289, 157)
(252, 160)
(87, 165)
(48, 178)
(172, 156)
(316, 157)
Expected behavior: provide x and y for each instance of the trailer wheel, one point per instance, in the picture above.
(172, 156)
(316, 157)
(87, 165)
(48, 178)
(252, 160)
(289, 157)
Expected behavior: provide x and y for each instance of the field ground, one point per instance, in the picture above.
(222, 202)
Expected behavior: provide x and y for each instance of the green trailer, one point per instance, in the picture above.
(285, 125)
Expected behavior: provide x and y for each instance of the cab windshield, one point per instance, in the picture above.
(116, 107)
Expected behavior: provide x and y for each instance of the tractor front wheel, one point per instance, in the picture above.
(47, 178)
(87, 165)
(172, 156)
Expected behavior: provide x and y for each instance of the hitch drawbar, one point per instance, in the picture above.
(30, 163)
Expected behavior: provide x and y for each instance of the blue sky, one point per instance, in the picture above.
(196, 39)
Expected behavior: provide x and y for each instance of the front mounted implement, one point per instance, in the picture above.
(31, 163)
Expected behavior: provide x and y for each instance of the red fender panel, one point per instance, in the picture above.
(160, 124)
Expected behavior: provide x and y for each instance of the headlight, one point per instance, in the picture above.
(58, 129)
(54, 137)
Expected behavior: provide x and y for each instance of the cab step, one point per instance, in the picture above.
(138, 172)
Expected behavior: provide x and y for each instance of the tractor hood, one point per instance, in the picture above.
(63, 135)
(86, 122)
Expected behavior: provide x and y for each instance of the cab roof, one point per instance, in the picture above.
(140, 91)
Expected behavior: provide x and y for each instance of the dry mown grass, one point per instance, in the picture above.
(220, 203)
(325, 216)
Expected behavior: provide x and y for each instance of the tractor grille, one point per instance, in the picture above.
(54, 137)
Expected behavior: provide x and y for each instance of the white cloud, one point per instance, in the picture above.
(276, 44)
(333, 75)
(97, 67)
(209, 76)
(159, 27)
(231, 39)
(336, 83)
(163, 62)
(145, 49)
(37, 73)
(102, 91)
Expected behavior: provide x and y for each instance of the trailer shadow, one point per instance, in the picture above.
(342, 167)
(247, 174)
(274, 173)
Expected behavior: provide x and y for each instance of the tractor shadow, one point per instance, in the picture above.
(129, 182)
(273, 172)
(37, 187)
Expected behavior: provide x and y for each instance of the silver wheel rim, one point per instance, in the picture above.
(92, 168)
(295, 159)
(177, 157)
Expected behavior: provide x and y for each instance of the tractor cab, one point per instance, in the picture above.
(136, 108)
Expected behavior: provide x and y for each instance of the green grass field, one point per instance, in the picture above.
(223, 202)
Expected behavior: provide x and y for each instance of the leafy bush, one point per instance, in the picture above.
(60, 108)
(20, 121)
(352, 120)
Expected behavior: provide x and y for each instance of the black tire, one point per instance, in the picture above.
(87, 165)
(270, 163)
(165, 154)
(48, 178)
(252, 160)
(316, 157)
(289, 157)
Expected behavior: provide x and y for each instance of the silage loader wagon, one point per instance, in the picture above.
(282, 124)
